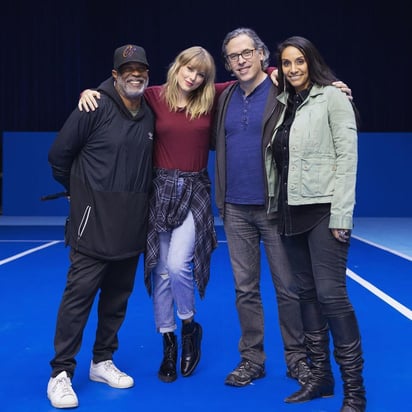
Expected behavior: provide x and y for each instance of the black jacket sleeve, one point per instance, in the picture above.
(68, 144)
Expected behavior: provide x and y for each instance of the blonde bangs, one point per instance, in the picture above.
(200, 100)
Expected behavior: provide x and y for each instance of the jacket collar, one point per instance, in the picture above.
(314, 91)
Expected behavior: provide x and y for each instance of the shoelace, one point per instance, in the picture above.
(244, 365)
(243, 368)
(188, 344)
(170, 352)
(111, 368)
(63, 385)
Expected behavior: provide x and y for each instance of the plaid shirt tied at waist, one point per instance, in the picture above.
(168, 208)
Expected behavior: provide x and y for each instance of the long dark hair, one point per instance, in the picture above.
(319, 72)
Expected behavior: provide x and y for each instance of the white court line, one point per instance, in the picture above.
(377, 292)
(377, 245)
(24, 240)
(367, 285)
(382, 295)
(29, 251)
(373, 289)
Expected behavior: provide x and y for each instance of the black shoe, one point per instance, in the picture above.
(311, 390)
(300, 371)
(245, 373)
(191, 341)
(167, 372)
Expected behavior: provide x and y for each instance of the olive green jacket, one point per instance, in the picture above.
(322, 155)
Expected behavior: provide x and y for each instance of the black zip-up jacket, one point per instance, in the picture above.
(104, 160)
(219, 139)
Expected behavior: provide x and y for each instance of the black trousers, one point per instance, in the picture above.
(319, 261)
(86, 276)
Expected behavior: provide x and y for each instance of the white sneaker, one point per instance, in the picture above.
(61, 393)
(107, 372)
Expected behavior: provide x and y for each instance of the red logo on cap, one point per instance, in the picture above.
(128, 51)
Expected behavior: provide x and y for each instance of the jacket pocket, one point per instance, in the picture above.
(318, 177)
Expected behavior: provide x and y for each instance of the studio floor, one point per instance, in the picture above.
(33, 265)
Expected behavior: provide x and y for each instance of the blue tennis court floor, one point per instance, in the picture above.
(33, 265)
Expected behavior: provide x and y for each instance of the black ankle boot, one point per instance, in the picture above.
(167, 371)
(191, 340)
(348, 355)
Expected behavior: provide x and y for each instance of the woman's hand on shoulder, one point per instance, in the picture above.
(274, 77)
(88, 100)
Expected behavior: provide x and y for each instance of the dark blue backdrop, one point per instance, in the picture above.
(51, 50)
(383, 188)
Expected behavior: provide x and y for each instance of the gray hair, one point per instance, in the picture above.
(257, 41)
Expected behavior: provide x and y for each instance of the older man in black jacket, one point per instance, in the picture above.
(104, 161)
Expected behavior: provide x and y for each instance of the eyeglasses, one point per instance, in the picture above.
(246, 54)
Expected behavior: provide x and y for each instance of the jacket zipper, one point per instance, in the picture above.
(83, 222)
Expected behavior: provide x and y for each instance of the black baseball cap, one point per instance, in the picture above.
(129, 53)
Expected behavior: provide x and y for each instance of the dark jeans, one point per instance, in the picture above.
(246, 227)
(86, 276)
(319, 262)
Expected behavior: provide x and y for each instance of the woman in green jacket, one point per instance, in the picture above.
(311, 163)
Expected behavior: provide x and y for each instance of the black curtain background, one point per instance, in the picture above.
(52, 50)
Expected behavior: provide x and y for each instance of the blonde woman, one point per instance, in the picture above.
(181, 234)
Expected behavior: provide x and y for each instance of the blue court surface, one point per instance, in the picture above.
(33, 265)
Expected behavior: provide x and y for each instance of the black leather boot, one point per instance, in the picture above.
(191, 341)
(167, 372)
(321, 382)
(348, 355)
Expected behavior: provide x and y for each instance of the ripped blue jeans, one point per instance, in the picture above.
(173, 283)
